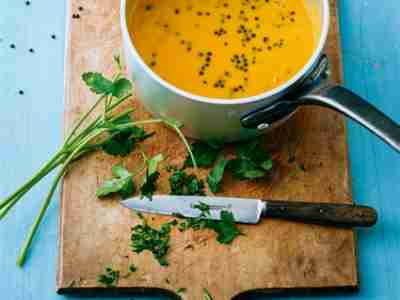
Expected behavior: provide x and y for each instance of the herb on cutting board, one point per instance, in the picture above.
(252, 161)
(121, 184)
(205, 154)
(207, 295)
(225, 228)
(214, 178)
(149, 184)
(109, 278)
(110, 130)
(144, 237)
(182, 183)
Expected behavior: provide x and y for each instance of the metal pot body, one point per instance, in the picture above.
(205, 118)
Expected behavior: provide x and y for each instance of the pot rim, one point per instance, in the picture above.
(220, 101)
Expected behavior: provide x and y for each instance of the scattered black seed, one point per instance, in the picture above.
(208, 13)
(148, 7)
(31, 50)
(253, 7)
(53, 36)
(209, 53)
(152, 64)
(204, 81)
(177, 11)
(75, 16)
(256, 18)
(201, 54)
(166, 26)
(27, 3)
(208, 59)
(80, 8)
(182, 42)
(199, 13)
(201, 73)
(226, 4)
(226, 43)
(12, 46)
(21, 92)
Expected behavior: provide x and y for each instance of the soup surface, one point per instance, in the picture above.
(223, 48)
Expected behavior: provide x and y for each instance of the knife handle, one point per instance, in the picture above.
(340, 215)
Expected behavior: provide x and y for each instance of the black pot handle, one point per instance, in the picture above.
(356, 108)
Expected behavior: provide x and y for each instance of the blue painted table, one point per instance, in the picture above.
(31, 93)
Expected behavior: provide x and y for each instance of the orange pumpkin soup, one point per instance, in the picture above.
(223, 48)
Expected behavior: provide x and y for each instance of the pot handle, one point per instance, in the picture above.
(344, 101)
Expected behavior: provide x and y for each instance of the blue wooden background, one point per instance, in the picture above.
(31, 129)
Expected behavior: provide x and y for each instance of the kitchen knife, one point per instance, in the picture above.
(252, 210)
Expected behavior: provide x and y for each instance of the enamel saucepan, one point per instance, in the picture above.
(239, 119)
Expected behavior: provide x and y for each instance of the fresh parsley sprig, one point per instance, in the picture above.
(115, 133)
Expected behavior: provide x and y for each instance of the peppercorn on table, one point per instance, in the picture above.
(33, 87)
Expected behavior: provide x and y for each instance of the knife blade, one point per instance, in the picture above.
(250, 211)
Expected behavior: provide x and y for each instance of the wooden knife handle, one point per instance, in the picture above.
(341, 215)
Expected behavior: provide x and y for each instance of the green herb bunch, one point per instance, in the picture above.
(110, 130)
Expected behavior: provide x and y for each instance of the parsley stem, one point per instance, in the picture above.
(185, 142)
(84, 117)
(118, 102)
(44, 170)
(13, 199)
(33, 230)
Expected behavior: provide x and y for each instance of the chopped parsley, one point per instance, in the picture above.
(207, 295)
(183, 184)
(225, 228)
(109, 278)
(252, 161)
(144, 237)
(181, 290)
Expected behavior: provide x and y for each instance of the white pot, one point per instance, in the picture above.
(229, 120)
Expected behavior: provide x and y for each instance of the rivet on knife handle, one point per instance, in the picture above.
(343, 215)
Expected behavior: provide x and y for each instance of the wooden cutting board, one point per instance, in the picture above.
(274, 256)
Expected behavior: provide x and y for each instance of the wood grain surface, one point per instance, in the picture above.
(271, 256)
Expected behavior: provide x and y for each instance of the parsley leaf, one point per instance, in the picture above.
(97, 83)
(225, 228)
(121, 183)
(144, 237)
(253, 151)
(204, 153)
(122, 141)
(110, 277)
(183, 184)
(252, 161)
(121, 87)
(149, 185)
(215, 176)
(131, 269)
